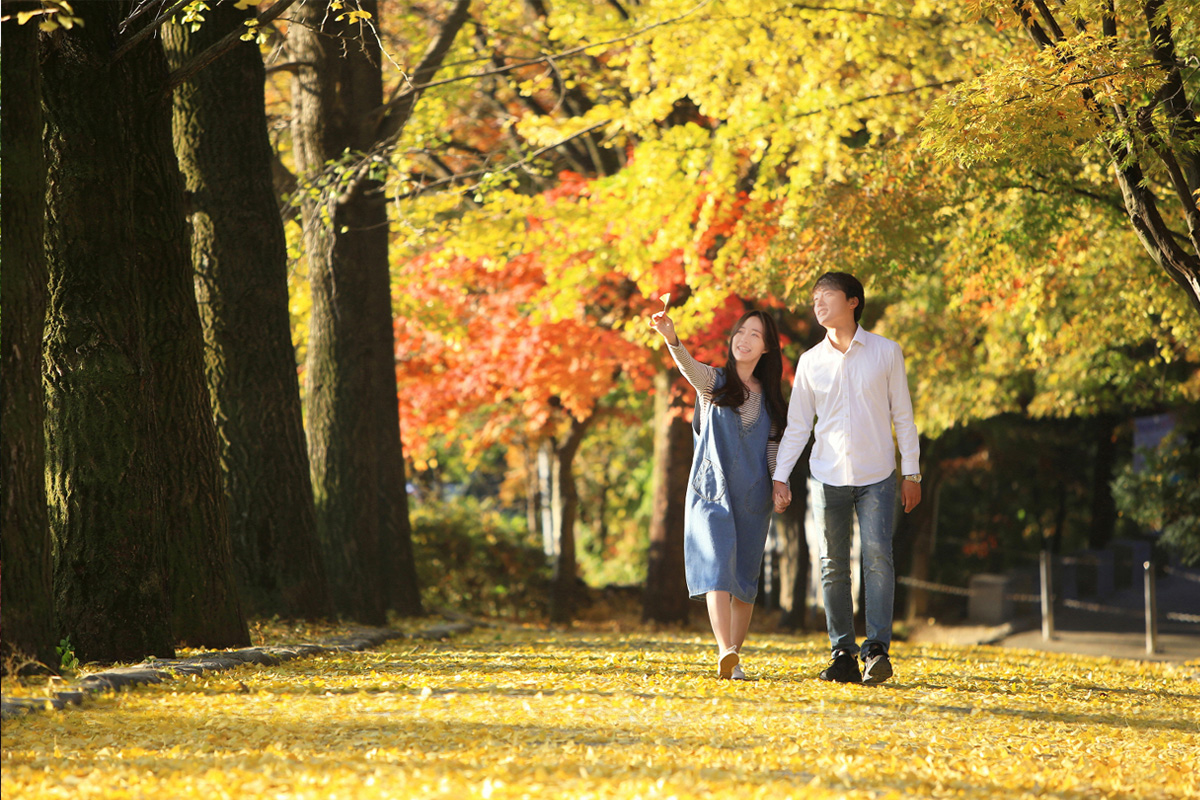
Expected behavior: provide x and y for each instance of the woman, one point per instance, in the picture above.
(740, 417)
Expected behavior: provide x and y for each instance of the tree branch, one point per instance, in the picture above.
(574, 51)
(1173, 98)
(1031, 26)
(397, 112)
(1048, 18)
(218, 49)
(507, 168)
(142, 33)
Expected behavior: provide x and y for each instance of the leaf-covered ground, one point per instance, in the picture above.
(532, 713)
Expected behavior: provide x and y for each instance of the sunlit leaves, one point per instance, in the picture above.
(526, 713)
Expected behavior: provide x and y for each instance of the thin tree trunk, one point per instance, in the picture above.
(28, 602)
(240, 259)
(794, 564)
(918, 527)
(102, 463)
(353, 413)
(1104, 508)
(666, 597)
(564, 590)
(533, 512)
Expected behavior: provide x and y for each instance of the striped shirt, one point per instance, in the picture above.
(702, 377)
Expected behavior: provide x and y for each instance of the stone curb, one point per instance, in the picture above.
(161, 670)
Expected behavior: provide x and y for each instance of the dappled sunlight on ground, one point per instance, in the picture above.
(525, 712)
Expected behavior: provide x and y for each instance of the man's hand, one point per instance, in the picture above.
(783, 497)
(910, 495)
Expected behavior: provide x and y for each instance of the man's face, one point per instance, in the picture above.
(832, 307)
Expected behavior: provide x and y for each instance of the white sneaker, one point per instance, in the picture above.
(726, 664)
(738, 675)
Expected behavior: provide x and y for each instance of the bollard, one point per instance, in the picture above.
(1047, 599)
(1151, 610)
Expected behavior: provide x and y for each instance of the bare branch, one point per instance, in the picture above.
(397, 112)
(574, 51)
(507, 168)
(142, 33)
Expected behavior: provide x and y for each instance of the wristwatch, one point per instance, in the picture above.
(915, 478)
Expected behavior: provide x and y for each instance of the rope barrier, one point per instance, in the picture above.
(935, 587)
(1081, 605)
(1102, 609)
(1187, 575)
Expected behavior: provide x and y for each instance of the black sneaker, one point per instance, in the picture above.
(877, 667)
(844, 669)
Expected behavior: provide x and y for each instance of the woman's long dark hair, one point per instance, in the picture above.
(769, 372)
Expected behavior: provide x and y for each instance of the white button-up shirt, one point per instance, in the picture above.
(856, 397)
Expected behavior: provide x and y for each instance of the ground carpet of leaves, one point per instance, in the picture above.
(523, 712)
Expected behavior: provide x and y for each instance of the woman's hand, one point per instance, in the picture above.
(665, 326)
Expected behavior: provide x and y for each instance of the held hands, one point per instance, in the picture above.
(783, 497)
(665, 326)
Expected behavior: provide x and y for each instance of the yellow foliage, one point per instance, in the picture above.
(531, 713)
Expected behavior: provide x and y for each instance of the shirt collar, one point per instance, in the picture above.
(860, 337)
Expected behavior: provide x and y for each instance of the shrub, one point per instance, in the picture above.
(1164, 495)
(474, 559)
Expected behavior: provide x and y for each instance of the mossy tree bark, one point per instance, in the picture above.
(142, 554)
(206, 608)
(350, 377)
(110, 568)
(239, 255)
(27, 602)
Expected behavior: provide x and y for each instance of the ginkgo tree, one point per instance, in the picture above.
(1014, 286)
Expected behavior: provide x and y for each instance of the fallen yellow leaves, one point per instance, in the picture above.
(531, 713)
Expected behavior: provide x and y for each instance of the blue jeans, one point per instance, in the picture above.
(832, 510)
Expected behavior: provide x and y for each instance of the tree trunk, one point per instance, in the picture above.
(919, 527)
(239, 255)
(1104, 508)
(206, 608)
(794, 562)
(564, 590)
(102, 464)
(27, 624)
(666, 595)
(350, 380)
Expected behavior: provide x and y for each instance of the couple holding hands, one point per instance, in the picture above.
(850, 390)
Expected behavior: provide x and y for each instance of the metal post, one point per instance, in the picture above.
(1047, 599)
(1151, 610)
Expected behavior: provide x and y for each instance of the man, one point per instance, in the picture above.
(853, 383)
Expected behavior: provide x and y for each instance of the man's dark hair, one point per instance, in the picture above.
(848, 285)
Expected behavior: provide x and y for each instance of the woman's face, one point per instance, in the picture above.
(750, 341)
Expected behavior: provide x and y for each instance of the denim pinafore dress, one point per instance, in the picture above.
(729, 502)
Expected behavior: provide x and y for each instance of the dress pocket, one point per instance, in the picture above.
(709, 482)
